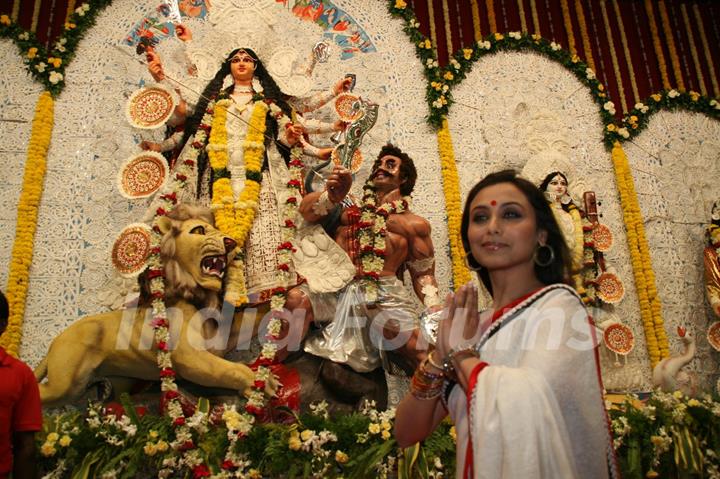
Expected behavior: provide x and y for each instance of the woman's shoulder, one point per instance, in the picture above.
(558, 295)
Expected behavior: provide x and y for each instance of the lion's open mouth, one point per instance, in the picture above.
(214, 265)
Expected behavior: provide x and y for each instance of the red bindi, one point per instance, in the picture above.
(493, 203)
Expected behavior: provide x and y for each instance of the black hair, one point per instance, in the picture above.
(213, 89)
(407, 167)
(4, 312)
(558, 270)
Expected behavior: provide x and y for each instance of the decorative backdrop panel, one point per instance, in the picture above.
(521, 110)
(676, 166)
(82, 211)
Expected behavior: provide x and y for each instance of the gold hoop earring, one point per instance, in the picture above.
(551, 256)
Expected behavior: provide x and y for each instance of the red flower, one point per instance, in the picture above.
(372, 275)
(364, 224)
(278, 291)
(162, 346)
(382, 212)
(160, 323)
(201, 470)
(283, 267)
(254, 410)
(291, 200)
(157, 294)
(179, 421)
(380, 252)
(203, 126)
(114, 409)
(172, 395)
(259, 384)
(366, 249)
(293, 184)
(154, 273)
(167, 373)
(228, 465)
(180, 177)
(286, 245)
(161, 212)
(186, 445)
(290, 224)
(170, 197)
(140, 410)
(296, 163)
(155, 250)
(210, 111)
(197, 145)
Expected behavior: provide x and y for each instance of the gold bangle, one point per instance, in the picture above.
(433, 363)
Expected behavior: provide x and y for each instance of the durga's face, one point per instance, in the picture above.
(557, 186)
(242, 66)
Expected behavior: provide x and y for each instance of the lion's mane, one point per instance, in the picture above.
(179, 284)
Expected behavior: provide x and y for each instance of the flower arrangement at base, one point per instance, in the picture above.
(124, 441)
(667, 435)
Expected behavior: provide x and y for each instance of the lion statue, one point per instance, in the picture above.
(119, 343)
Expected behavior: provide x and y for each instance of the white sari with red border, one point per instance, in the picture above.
(536, 410)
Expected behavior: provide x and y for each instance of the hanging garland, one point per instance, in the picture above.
(372, 231)
(639, 117)
(650, 310)
(48, 66)
(27, 213)
(453, 206)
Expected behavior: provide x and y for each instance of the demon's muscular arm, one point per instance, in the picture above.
(317, 205)
(421, 262)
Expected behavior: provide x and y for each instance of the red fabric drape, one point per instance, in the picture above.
(457, 17)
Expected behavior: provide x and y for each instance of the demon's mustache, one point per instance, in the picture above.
(378, 171)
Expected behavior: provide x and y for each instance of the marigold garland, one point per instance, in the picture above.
(235, 218)
(451, 190)
(650, 311)
(27, 213)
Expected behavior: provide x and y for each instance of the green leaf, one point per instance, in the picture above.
(84, 471)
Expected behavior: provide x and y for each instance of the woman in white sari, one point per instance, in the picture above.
(521, 380)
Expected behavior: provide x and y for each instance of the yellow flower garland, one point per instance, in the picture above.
(236, 218)
(451, 190)
(650, 311)
(22, 251)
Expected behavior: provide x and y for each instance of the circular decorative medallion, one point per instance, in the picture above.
(142, 175)
(619, 338)
(150, 107)
(131, 250)
(602, 237)
(609, 288)
(347, 106)
(355, 164)
(713, 335)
